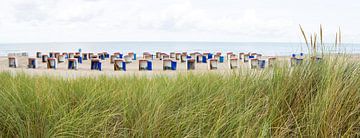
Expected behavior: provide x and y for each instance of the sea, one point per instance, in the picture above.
(265, 48)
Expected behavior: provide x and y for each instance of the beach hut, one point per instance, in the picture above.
(158, 54)
(132, 55)
(254, 63)
(127, 59)
(228, 55)
(233, 63)
(51, 63)
(262, 63)
(145, 64)
(44, 58)
(183, 58)
(32, 63)
(61, 58)
(172, 55)
(13, 62)
(271, 61)
(213, 64)
(79, 58)
(190, 64)
(73, 64)
(177, 56)
(85, 56)
(119, 65)
(38, 54)
(96, 64)
(169, 64)
(71, 55)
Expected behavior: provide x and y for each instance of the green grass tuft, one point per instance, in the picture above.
(314, 99)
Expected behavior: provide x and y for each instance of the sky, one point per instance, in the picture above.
(176, 20)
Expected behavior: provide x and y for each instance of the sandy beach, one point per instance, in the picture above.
(108, 68)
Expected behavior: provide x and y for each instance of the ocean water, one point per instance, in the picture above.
(268, 49)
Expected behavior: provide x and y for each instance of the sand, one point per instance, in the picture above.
(108, 68)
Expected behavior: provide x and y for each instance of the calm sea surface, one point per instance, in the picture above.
(270, 49)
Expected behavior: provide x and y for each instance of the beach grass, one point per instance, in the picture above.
(317, 99)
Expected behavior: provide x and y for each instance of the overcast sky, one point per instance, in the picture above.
(175, 20)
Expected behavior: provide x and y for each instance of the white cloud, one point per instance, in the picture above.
(169, 20)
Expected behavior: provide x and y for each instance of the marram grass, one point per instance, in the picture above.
(314, 99)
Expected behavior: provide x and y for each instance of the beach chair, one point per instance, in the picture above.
(145, 64)
(44, 58)
(71, 55)
(190, 64)
(132, 55)
(101, 56)
(271, 61)
(38, 54)
(119, 65)
(147, 56)
(198, 58)
(228, 54)
(246, 58)
(172, 55)
(164, 56)
(213, 64)
(158, 55)
(254, 63)
(112, 59)
(51, 63)
(262, 63)
(13, 62)
(128, 59)
(169, 64)
(32, 63)
(233, 63)
(178, 56)
(241, 56)
(85, 56)
(73, 64)
(61, 58)
(183, 58)
(117, 55)
(96, 64)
